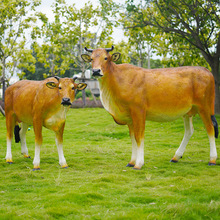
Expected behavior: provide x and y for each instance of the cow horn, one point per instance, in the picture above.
(109, 49)
(75, 77)
(89, 50)
(57, 77)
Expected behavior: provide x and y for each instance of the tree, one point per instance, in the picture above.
(194, 21)
(15, 20)
(64, 38)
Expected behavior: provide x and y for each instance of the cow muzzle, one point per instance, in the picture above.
(96, 73)
(66, 102)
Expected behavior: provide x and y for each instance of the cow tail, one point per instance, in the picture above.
(215, 124)
(16, 133)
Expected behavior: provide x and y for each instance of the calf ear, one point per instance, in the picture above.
(51, 85)
(115, 56)
(86, 58)
(81, 86)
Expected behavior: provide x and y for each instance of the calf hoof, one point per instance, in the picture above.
(36, 168)
(9, 161)
(130, 165)
(64, 167)
(173, 161)
(27, 156)
(212, 164)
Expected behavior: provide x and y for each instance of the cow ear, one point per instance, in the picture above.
(52, 85)
(86, 58)
(81, 86)
(115, 57)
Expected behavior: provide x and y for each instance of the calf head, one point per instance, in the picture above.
(101, 60)
(66, 88)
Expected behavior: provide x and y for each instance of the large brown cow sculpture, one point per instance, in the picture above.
(39, 103)
(132, 95)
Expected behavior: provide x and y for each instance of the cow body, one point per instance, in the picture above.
(38, 103)
(132, 95)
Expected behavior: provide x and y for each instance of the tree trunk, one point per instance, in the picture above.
(3, 89)
(84, 95)
(2, 110)
(3, 80)
(215, 72)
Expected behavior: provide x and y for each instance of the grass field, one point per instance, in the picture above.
(98, 185)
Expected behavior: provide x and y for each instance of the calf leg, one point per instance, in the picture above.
(38, 142)
(22, 134)
(10, 123)
(188, 133)
(59, 143)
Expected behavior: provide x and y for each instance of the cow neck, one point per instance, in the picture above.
(109, 83)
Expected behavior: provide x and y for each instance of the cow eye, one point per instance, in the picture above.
(60, 88)
(73, 88)
(106, 58)
(91, 59)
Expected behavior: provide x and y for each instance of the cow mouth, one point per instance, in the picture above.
(96, 73)
(65, 104)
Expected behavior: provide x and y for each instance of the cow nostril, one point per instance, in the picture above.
(96, 70)
(66, 101)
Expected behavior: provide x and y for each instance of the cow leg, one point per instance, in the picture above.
(206, 118)
(134, 147)
(38, 142)
(138, 119)
(22, 135)
(59, 143)
(10, 123)
(188, 133)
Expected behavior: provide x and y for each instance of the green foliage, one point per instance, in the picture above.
(187, 32)
(15, 21)
(88, 94)
(66, 36)
(97, 185)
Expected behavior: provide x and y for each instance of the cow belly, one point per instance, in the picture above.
(165, 115)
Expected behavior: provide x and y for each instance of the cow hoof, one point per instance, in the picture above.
(38, 168)
(27, 156)
(173, 161)
(64, 167)
(129, 165)
(136, 168)
(212, 164)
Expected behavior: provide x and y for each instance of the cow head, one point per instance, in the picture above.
(66, 89)
(101, 60)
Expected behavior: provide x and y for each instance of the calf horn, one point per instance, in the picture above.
(75, 77)
(57, 77)
(89, 50)
(109, 49)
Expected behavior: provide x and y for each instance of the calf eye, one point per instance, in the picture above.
(60, 88)
(106, 58)
(73, 88)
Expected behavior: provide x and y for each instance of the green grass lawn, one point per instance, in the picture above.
(98, 185)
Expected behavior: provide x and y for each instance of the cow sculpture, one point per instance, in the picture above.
(133, 94)
(39, 103)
